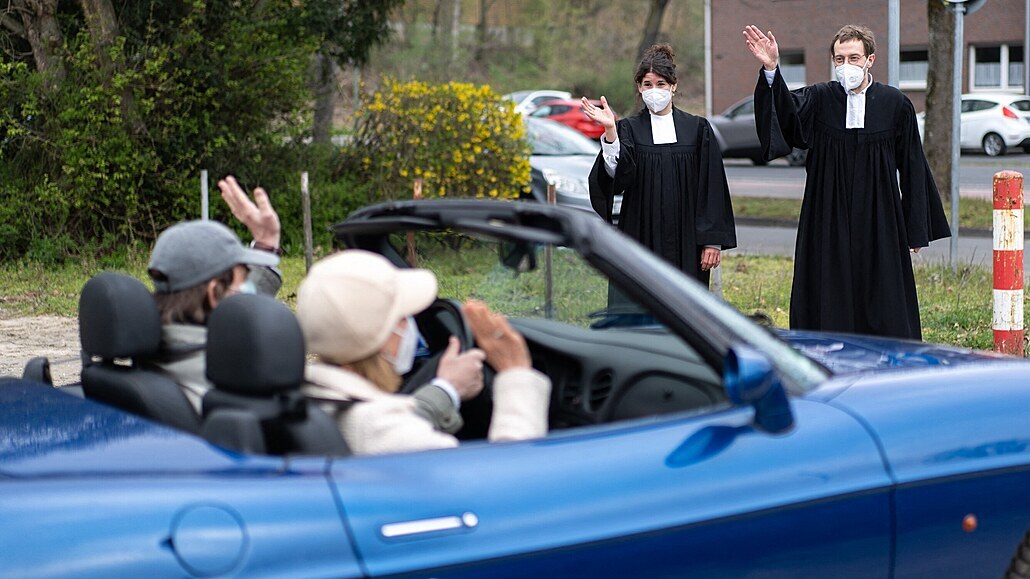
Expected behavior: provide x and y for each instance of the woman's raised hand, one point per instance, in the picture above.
(602, 114)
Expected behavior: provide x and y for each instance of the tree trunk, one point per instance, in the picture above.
(103, 29)
(482, 30)
(45, 38)
(939, 79)
(324, 82)
(37, 25)
(652, 25)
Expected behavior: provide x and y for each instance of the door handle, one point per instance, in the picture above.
(422, 526)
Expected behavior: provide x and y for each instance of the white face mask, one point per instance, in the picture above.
(851, 76)
(656, 99)
(405, 358)
(247, 287)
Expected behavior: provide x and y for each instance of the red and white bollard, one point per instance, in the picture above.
(1008, 262)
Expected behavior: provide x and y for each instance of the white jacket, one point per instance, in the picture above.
(379, 422)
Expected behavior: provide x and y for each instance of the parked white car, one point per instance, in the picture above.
(993, 122)
(527, 100)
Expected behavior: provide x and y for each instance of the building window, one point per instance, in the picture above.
(913, 69)
(792, 67)
(996, 67)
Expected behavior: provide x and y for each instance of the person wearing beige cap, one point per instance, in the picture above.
(355, 309)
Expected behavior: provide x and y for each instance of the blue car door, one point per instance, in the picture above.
(701, 495)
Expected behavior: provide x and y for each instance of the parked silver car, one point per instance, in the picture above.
(735, 132)
(563, 157)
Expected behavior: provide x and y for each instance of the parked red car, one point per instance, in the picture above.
(570, 112)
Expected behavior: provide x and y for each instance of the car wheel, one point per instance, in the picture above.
(797, 157)
(993, 145)
(759, 161)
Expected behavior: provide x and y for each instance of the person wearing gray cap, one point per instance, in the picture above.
(355, 309)
(196, 264)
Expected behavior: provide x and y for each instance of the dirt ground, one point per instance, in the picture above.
(57, 338)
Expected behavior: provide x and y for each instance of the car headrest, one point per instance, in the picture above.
(118, 317)
(254, 346)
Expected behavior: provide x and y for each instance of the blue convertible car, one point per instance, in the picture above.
(685, 439)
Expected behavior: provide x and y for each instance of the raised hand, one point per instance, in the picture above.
(504, 346)
(602, 115)
(763, 47)
(257, 215)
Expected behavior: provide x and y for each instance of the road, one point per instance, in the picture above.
(754, 240)
(777, 179)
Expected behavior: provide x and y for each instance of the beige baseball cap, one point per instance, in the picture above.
(350, 302)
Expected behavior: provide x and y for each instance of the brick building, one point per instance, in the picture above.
(994, 37)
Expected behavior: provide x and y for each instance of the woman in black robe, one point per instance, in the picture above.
(870, 198)
(668, 169)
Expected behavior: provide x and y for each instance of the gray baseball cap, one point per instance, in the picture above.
(192, 252)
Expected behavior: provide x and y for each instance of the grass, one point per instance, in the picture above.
(955, 307)
(972, 213)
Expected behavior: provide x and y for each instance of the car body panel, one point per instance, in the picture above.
(676, 480)
(563, 157)
(122, 496)
(735, 131)
(964, 467)
(846, 353)
(527, 100)
(570, 113)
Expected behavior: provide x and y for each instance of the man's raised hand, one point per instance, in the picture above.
(762, 46)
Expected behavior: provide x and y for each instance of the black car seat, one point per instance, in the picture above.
(256, 359)
(119, 329)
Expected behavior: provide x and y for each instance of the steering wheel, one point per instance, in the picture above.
(437, 324)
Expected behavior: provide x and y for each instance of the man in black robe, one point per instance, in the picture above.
(870, 199)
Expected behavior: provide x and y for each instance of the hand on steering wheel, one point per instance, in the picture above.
(464, 370)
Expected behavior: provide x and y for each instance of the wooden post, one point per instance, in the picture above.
(416, 194)
(305, 205)
(548, 272)
(1008, 262)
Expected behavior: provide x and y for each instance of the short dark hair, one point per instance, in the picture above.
(659, 60)
(188, 306)
(850, 32)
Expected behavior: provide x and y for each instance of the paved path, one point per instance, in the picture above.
(771, 240)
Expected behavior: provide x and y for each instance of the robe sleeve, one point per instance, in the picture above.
(604, 188)
(925, 220)
(782, 117)
(714, 212)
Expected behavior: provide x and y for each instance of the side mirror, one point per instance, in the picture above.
(749, 378)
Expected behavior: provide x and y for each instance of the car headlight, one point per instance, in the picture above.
(565, 184)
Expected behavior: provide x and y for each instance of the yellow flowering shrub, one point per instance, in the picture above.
(461, 140)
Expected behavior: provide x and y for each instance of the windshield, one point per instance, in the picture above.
(551, 138)
(803, 372)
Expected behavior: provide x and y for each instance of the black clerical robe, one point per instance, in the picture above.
(675, 197)
(869, 197)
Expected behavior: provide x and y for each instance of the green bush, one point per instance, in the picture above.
(111, 154)
(460, 139)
